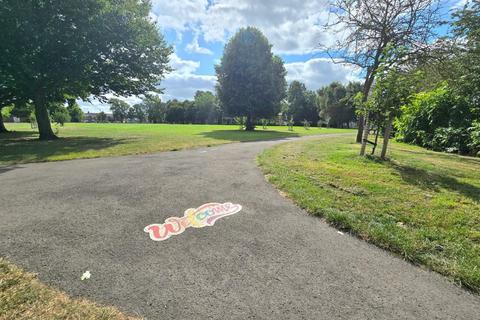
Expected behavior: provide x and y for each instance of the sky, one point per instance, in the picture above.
(198, 30)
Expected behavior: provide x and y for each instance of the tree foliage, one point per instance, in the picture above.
(445, 115)
(207, 107)
(336, 103)
(367, 27)
(74, 110)
(57, 50)
(119, 109)
(302, 104)
(251, 81)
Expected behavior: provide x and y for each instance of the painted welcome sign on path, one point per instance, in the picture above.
(203, 216)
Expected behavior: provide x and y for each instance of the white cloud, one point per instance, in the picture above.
(97, 106)
(319, 72)
(293, 27)
(181, 66)
(184, 86)
(178, 14)
(194, 47)
(183, 82)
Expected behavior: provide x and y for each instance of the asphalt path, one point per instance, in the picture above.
(268, 261)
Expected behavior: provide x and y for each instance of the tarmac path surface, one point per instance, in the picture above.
(269, 261)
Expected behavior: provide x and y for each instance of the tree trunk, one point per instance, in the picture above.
(376, 140)
(360, 129)
(366, 91)
(364, 135)
(43, 120)
(2, 125)
(249, 125)
(386, 138)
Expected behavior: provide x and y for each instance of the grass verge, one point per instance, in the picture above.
(420, 204)
(22, 296)
(92, 140)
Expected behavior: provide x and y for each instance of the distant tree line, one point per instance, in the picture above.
(204, 109)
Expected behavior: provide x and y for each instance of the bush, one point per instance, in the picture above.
(438, 120)
(451, 140)
(474, 132)
(61, 116)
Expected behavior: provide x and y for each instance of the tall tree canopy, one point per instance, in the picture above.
(251, 81)
(119, 109)
(368, 27)
(206, 107)
(53, 50)
(302, 103)
(336, 103)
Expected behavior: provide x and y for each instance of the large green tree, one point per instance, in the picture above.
(251, 81)
(302, 103)
(50, 50)
(336, 104)
(119, 109)
(467, 29)
(155, 109)
(207, 108)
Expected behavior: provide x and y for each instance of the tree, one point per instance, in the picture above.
(139, 112)
(467, 30)
(207, 108)
(392, 90)
(155, 109)
(175, 112)
(119, 109)
(336, 104)
(74, 110)
(249, 77)
(102, 117)
(57, 49)
(60, 115)
(302, 103)
(22, 110)
(368, 27)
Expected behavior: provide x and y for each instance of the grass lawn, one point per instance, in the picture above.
(422, 205)
(91, 140)
(22, 296)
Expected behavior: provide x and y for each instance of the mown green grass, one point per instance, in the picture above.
(22, 296)
(91, 140)
(420, 204)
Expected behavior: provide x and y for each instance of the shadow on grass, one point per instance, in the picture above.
(432, 181)
(447, 156)
(247, 136)
(22, 147)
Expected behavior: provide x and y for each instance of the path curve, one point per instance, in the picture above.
(269, 261)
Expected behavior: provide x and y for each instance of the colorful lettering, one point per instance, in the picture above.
(203, 216)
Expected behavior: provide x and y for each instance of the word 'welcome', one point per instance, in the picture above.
(203, 216)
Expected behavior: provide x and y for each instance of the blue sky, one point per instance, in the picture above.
(199, 29)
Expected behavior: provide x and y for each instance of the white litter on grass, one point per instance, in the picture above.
(340, 232)
(86, 275)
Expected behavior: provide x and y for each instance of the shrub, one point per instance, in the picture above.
(439, 120)
(61, 116)
(451, 140)
(474, 132)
